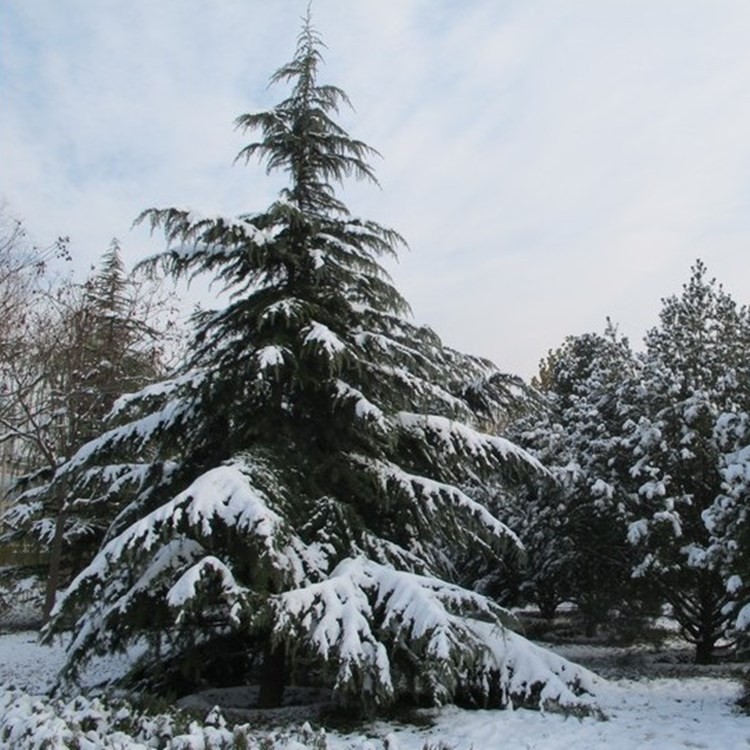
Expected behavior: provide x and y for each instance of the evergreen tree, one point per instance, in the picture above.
(572, 522)
(728, 521)
(694, 370)
(293, 497)
(118, 350)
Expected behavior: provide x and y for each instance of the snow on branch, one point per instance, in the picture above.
(272, 357)
(422, 390)
(173, 556)
(134, 435)
(363, 407)
(115, 479)
(444, 642)
(374, 341)
(290, 310)
(196, 234)
(186, 590)
(435, 504)
(322, 338)
(224, 498)
(223, 495)
(103, 625)
(333, 619)
(161, 391)
(455, 438)
(24, 509)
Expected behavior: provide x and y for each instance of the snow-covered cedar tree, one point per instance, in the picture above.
(290, 503)
(91, 343)
(695, 371)
(572, 521)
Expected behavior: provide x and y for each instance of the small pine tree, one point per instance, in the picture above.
(293, 497)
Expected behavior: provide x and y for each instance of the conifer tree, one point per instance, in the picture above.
(694, 371)
(111, 348)
(573, 522)
(727, 520)
(291, 502)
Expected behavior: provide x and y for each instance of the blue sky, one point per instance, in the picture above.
(550, 162)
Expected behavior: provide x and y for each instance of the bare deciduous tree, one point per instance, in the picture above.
(68, 351)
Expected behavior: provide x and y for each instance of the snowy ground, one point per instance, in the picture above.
(695, 711)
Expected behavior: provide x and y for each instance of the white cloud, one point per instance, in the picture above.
(549, 162)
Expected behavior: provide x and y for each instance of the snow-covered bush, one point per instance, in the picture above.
(38, 723)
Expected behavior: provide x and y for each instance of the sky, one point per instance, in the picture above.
(551, 163)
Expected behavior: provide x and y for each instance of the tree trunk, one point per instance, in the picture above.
(547, 603)
(590, 626)
(711, 622)
(55, 558)
(704, 651)
(272, 677)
